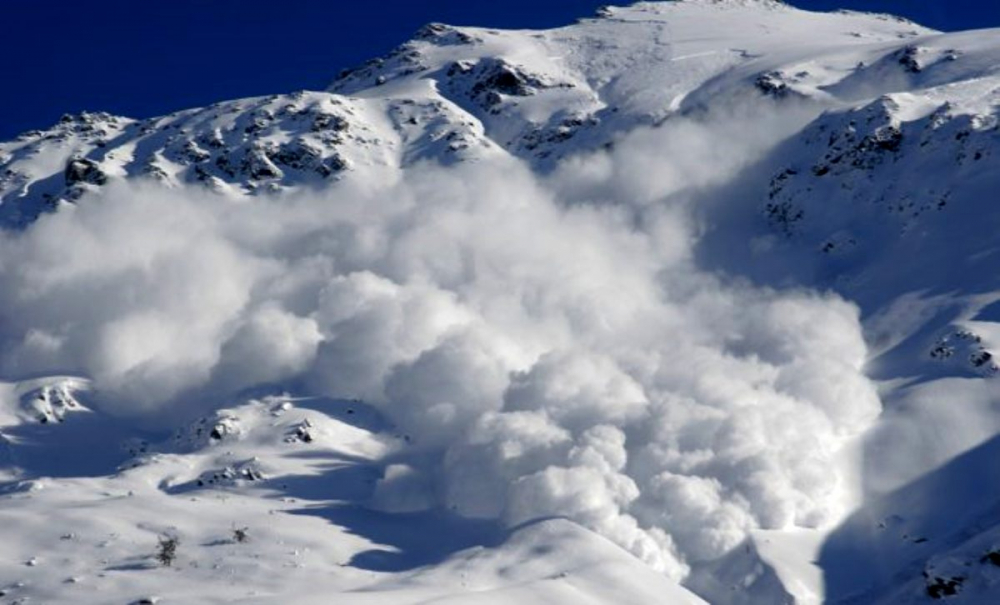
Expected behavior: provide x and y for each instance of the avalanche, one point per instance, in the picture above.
(686, 302)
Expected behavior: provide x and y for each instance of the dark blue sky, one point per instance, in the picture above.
(147, 57)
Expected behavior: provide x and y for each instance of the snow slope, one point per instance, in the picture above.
(78, 525)
(605, 403)
(457, 93)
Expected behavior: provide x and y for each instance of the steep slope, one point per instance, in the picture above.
(460, 93)
(530, 254)
(890, 200)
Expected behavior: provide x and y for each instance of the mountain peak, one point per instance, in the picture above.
(660, 5)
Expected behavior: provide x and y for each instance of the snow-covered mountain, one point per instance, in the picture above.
(688, 301)
(454, 94)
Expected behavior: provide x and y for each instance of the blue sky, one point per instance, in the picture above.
(147, 57)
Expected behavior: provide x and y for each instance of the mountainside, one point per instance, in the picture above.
(454, 94)
(691, 301)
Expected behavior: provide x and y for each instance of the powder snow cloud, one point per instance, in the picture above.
(548, 342)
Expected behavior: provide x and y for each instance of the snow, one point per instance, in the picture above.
(307, 535)
(690, 300)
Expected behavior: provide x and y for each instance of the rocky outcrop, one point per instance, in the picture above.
(82, 170)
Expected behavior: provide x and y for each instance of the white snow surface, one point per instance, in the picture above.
(690, 301)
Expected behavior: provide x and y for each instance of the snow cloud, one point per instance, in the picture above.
(548, 343)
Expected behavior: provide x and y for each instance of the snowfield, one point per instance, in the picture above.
(692, 301)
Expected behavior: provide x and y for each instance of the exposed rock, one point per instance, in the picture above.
(258, 166)
(82, 170)
(908, 58)
(247, 471)
(219, 427)
(939, 588)
(52, 402)
(444, 35)
(487, 81)
(301, 433)
(329, 121)
(299, 155)
(775, 84)
(992, 557)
